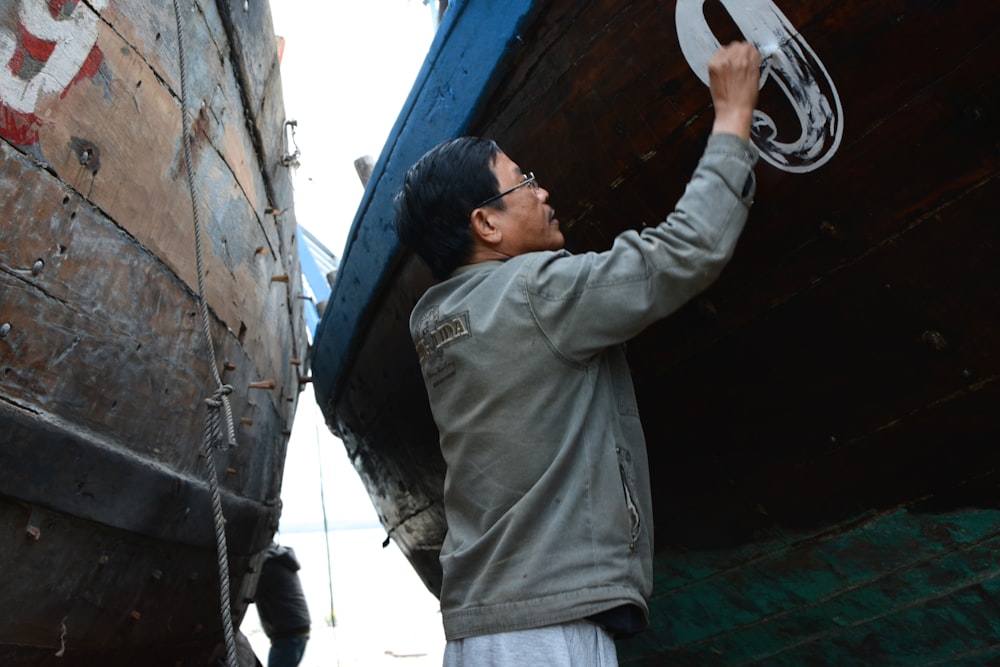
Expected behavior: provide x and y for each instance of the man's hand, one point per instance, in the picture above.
(734, 77)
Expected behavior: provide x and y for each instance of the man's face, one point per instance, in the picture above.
(527, 222)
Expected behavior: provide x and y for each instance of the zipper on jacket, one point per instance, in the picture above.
(633, 511)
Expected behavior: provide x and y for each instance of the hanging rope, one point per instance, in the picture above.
(220, 399)
(332, 620)
(213, 438)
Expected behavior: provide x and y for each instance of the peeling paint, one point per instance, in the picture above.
(52, 49)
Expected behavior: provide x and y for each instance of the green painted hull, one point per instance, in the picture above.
(903, 587)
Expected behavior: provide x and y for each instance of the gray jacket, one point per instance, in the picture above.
(547, 492)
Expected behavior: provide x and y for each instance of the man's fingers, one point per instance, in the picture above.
(734, 76)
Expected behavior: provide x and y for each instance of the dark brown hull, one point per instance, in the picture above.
(108, 548)
(822, 423)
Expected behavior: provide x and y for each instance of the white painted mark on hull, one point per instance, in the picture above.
(790, 63)
(45, 47)
(72, 37)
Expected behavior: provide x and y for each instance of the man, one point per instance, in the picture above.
(548, 553)
(282, 608)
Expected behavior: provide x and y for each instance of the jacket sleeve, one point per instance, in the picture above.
(585, 303)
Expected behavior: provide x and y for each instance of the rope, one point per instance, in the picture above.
(213, 437)
(332, 620)
(219, 400)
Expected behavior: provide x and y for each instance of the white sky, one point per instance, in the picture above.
(346, 71)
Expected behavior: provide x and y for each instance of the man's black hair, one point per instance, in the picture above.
(439, 193)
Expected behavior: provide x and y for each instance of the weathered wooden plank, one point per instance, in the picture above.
(150, 29)
(826, 598)
(107, 329)
(149, 197)
(104, 361)
(255, 59)
(889, 397)
(113, 592)
(113, 488)
(135, 173)
(659, 101)
(214, 83)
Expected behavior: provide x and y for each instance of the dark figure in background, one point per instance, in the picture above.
(281, 605)
(549, 549)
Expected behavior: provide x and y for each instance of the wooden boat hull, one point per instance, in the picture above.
(822, 422)
(108, 549)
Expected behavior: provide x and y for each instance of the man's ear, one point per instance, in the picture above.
(483, 228)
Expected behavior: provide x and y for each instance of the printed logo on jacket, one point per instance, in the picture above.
(436, 332)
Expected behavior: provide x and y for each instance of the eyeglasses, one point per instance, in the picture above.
(529, 179)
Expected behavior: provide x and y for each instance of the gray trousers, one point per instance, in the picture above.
(575, 644)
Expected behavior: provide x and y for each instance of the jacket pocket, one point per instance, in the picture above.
(635, 521)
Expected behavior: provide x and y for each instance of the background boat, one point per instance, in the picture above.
(822, 423)
(108, 548)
